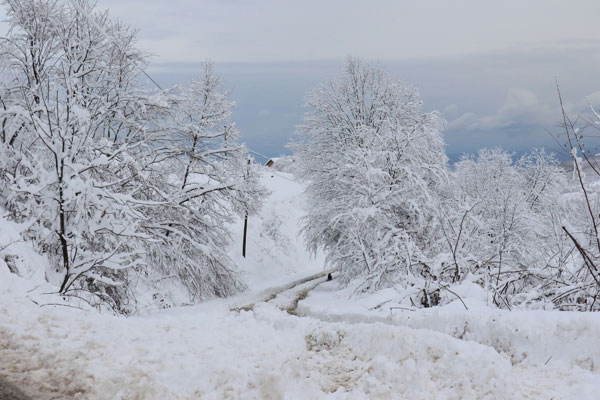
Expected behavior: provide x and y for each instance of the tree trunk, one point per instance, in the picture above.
(62, 233)
(245, 232)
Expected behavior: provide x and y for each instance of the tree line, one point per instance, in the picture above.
(389, 210)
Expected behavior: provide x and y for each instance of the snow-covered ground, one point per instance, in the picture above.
(337, 346)
(275, 253)
(533, 338)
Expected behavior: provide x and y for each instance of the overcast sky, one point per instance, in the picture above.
(300, 30)
(489, 66)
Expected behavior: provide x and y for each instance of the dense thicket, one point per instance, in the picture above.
(501, 226)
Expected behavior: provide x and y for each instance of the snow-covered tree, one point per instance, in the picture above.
(203, 181)
(373, 163)
(76, 129)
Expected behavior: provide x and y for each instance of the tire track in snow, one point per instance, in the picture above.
(295, 292)
(337, 365)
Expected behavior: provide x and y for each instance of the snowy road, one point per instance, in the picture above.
(261, 352)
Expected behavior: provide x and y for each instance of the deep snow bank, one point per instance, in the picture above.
(532, 338)
(208, 352)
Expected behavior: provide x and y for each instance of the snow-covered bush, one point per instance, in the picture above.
(579, 284)
(373, 163)
(500, 223)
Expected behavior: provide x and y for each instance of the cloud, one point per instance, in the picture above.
(521, 107)
(450, 111)
(286, 30)
(462, 122)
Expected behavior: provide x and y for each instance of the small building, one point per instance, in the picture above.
(271, 162)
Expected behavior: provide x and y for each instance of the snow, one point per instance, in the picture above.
(338, 346)
(20, 254)
(275, 252)
(540, 342)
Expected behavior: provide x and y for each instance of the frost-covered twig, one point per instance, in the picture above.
(454, 293)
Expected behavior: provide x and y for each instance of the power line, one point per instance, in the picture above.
(107, 36)
(258, 154)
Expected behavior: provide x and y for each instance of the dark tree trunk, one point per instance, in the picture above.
(245, 232)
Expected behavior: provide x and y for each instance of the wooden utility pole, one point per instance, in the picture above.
(245, 220)
(245, 230)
